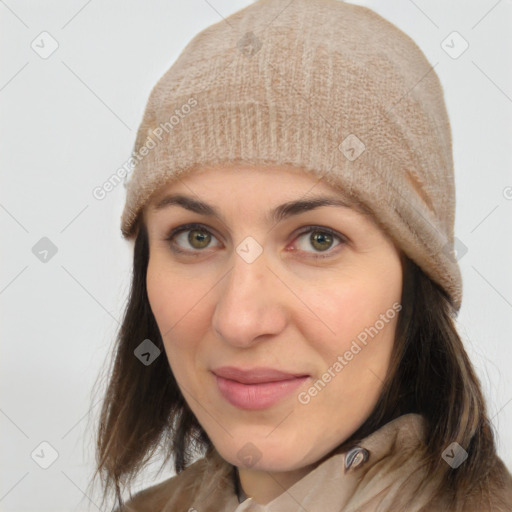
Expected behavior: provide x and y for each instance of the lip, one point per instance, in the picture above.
(256, 388)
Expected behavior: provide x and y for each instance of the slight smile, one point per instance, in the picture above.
(256, 388)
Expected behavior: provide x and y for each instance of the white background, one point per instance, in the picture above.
(69, 121)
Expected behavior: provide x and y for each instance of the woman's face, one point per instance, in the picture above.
(278, 322)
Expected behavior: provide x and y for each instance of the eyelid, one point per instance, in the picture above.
(313, 227)
(169, 237)
(188, 226)
(329, 252)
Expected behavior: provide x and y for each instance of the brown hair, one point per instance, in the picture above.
(430, 373)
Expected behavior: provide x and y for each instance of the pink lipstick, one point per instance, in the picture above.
(256, 388)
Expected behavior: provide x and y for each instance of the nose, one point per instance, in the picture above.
(250, 305)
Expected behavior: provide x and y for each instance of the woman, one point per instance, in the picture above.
(291, 316)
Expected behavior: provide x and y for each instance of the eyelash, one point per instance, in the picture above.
(189, 227)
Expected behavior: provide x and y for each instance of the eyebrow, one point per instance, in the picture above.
(276, 215)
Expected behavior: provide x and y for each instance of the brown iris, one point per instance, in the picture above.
(200, 236)
(321, 237)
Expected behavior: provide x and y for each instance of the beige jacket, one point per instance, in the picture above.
(363, 479)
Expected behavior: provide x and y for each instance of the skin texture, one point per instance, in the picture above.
(284, 310)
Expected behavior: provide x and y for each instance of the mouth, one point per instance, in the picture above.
(256, 388)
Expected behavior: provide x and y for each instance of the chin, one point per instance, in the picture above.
(265, 455)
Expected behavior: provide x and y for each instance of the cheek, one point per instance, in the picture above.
(174, 300)
(355, 318)
(162, 297)
(347, 308)
(181, 311)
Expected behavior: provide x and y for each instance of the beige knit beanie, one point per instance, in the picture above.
(324, 85)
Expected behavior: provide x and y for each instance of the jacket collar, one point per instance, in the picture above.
(368, 474)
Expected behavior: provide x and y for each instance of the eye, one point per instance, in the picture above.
(196, 236)
(321, 239)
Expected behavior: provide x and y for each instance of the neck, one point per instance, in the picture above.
(265, 486)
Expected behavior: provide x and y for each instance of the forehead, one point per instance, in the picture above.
(267, 182)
